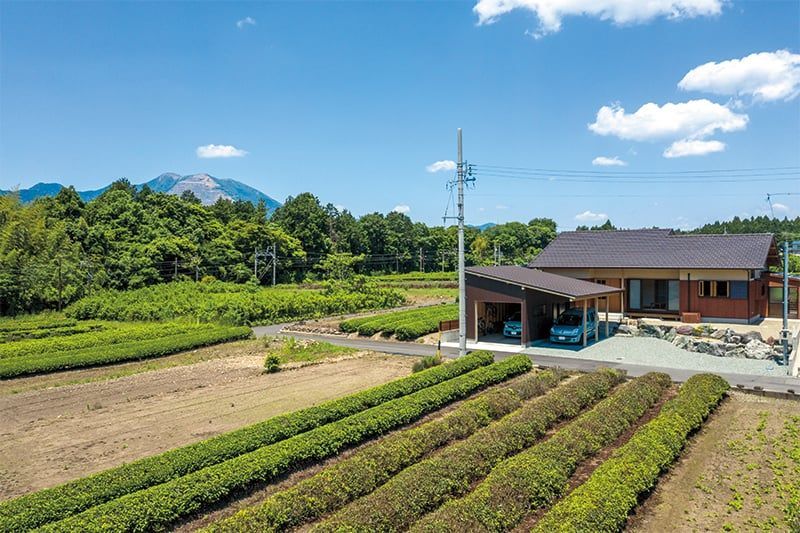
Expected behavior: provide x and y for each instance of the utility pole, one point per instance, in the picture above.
(274, 262)
(785, 330)
(462, 284)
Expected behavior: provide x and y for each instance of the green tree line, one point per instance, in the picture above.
(55, 250)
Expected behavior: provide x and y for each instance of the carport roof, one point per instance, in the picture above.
(530, 278)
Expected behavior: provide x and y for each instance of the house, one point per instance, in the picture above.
(715, 278)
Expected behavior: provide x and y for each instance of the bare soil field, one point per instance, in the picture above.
(741, 472)
(50, 436)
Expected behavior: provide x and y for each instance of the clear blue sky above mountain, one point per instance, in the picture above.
(352, 100)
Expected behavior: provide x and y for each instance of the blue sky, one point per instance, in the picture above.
(353, 100)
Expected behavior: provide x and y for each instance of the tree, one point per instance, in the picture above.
(304, 218)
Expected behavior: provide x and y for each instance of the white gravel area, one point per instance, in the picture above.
(656, 352)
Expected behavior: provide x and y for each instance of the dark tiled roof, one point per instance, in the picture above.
(656, 248)
(543, 281)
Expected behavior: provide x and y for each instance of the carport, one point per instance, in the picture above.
(539, 296)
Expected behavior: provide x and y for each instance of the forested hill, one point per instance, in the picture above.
(54, 250)
(783, 228)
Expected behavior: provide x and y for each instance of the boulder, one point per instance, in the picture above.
(717, 334)
(738, 352)
(755, 349)
(670, 335)
(703, 347)
(735, 339)
(650, 330)
(681, 341)
(625, 329)
(751, 335)
(770, 340)
(684, 330)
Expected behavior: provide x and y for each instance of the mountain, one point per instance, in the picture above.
(207, 188)
(483, 227)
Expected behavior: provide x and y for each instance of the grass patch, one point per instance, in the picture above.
(286, 350)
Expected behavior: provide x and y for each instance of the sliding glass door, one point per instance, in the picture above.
(655, 295)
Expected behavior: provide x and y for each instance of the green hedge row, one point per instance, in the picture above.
(30, 322)
(113, 333)
(361, 473)
(115, 353)
(41, 333)
(603, 502)
(424, 486)
(405, 325)
(536, 477)
(229, 303)
(49, 505)
(159, 506)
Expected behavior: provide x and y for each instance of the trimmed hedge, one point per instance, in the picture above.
(49, 505)
(114, 353)
(426, 485)
(405, 325)
(159, 506)
(539, 475)
(229, 303)
(41, 333)
(114, 333)
(41, 321)
(361, 473)
(603, 502)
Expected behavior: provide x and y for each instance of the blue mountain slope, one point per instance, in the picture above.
(207, 188)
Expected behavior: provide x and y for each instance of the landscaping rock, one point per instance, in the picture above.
(738, 352)
(751, 335)
(684, 330)
(625, 329)
(650, 330)
(718, 334)
(681, 341)
(755, 349)
(735, 339)
(670, 335)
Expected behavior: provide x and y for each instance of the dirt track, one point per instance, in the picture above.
(51, 436)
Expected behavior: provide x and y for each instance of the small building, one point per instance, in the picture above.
(775, 307)
(496, 293)
(715, 278)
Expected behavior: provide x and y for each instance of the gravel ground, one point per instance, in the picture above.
(656, 352)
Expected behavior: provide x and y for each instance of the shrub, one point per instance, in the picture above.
(405, 325)
(427, 362)
(48, 505)
(114, 353)
(369, 468)
(540, 474)
(603, 502)
(159, 506)
(424, 486)
(272, 364)
(229, 303)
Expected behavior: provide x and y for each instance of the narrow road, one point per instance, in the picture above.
(752, 382)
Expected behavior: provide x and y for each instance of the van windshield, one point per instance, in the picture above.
(568, 319)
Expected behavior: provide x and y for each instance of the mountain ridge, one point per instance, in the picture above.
(205, 186)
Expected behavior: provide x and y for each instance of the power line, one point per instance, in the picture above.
(758, 171)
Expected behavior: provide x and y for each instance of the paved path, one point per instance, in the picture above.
(779, 384)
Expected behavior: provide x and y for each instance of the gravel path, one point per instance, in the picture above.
(656, 352)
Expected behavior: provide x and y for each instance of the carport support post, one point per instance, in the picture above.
(607, 298)
(596, 321)
(585, 333)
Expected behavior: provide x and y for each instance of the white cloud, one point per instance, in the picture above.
(247, 21)
(765, 76)
(439, 166)
(603, 161)
(687, 123)
(589, 216)
(782, 208)
(686, 147)
(219, 150)
(551, 12)
(401, 208)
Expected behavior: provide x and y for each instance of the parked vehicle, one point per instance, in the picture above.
(512, 327)
(569, 326)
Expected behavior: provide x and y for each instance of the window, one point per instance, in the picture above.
(738, 290)
(720, 289)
